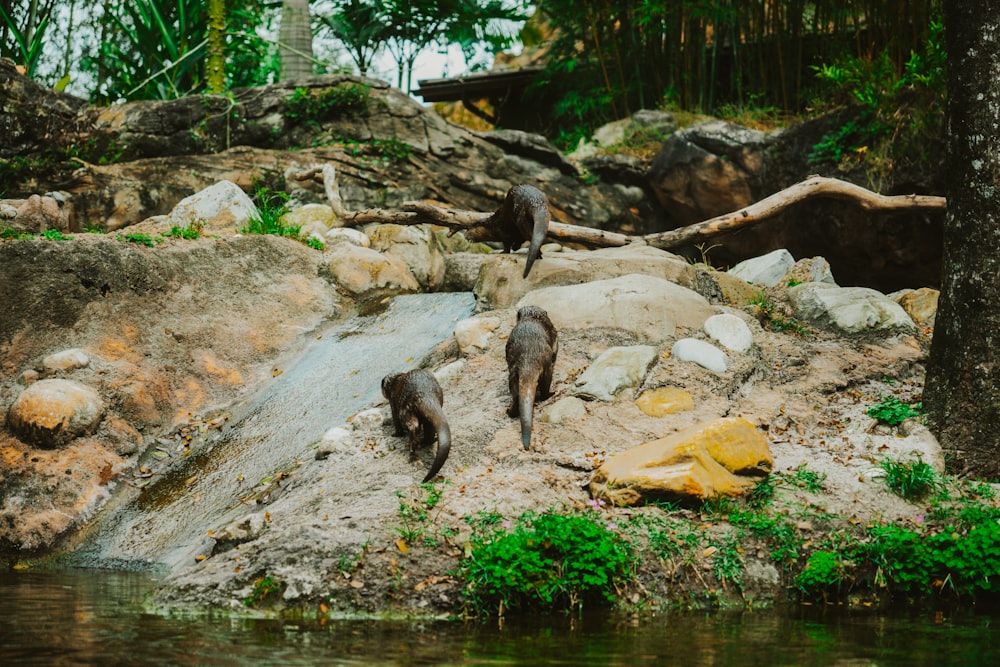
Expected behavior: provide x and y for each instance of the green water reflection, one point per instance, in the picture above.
(96, 618)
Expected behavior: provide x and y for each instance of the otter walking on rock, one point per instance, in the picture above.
(531, 355)
(416, 401)
(524, 216)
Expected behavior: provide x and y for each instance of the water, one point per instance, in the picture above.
(338, 374)
(83, 617)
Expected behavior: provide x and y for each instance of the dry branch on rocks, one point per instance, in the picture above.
(414, 213)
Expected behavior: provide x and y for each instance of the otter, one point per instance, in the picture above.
(531, 355)
(523, 216)
(416, 401)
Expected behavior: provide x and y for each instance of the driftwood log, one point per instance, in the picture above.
(414, 213)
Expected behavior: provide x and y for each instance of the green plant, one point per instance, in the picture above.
(271, 206)
(392, 149)
(727, 561)
(315, 243)
(191, 232)
(55, 235)
(768, 313)
(549, 560)
(14, 234)
(890, 410)
(810, 480)
(346, 99)
(824, 571)
(781, 534)
(911, 480)
(263, 588)
(138, 239)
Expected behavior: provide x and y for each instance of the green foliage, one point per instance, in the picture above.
(10, 233)
(263, 589)
(191, 232)
(55, 235)
(778, 531)
(138, 239)
(315, 243)
(271, 206)
(392, 149)
(810, 480)
(27, 51)
(899, 111)
(548, 561)
(342, 101)
(769, 314)
(824, 571)
(890, 410)
(911, 480)
(965, 560)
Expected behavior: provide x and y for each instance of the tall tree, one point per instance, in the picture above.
(295, 38)
(362, 26)
(215, 74)
(962, 391)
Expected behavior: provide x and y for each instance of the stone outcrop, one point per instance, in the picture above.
(51, 413)
(721, 458)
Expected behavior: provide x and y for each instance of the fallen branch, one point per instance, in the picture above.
(814, 186)
(414, 213)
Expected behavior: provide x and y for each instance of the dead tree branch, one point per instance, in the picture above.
(414, 212)
(769, 207)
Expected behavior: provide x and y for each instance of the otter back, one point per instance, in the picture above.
(417, 405)
(531, 355)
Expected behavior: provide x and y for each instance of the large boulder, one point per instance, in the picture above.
(53, 412)
(724, 457)
(651, 308)
(501, 283)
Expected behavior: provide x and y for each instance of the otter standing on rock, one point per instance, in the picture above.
(524, 216)
(416, 401)
(531, 356)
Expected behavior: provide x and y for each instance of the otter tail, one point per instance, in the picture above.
(539, 230)
(526, 406)
(444, 446)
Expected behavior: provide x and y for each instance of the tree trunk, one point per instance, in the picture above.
(295, 40)
(962, 392)
(216, 66)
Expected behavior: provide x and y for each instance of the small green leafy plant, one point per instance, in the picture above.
(911, 480)
(271, 206)
(55, 235)
(14, 234)
(824, 572)
(193, 231)
(892, 411)
(347, 99)
(549, 561)
(263, 589)
(138, 239)
(767, 311)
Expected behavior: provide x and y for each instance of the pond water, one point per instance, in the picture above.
(83, 617)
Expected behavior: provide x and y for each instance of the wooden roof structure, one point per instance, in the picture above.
(498, 86)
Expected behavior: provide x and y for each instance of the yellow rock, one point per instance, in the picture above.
(921, 305)
(665, 401)
(718, 458)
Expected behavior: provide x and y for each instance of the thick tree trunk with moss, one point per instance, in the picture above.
(962, 393)
(295, 37)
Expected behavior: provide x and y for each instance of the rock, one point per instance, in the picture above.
(335, 440)
(414, 245)
(310, 214)
(242, 530)
(533, 146)
(720, 458)
(723, 287)
(39, 214)
(461, 271)
(767, 269)
(501, 284)
(651, 308)
(450, 372)
(664, 401)
(920, 304)
(346, 235)
(365, 272)
(220, 206)
(50, 413)
(567, 409)
(370, 418)
(66, 360)
(848, 309)
(702, 353)
(730, 331)
(707, 170)
(809, 270)
(474, 333)
(617, 369)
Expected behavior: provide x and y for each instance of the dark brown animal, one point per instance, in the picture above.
(531, 355)
(524, 216)
(417, 404)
